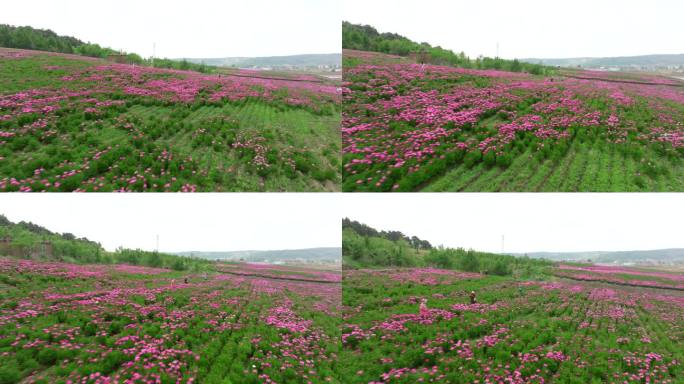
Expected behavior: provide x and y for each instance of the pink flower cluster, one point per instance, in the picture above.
(284, 317)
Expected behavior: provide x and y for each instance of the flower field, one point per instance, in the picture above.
(67, 323)
(69, 123)
(425, 329)
(409, 126)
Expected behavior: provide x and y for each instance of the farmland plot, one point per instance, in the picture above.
(76, 124)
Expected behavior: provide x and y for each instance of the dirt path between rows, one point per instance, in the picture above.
(649, 287)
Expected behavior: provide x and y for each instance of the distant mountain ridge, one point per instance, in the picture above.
(649, 61)
(305, 60)
(655, 256)
(320, 254)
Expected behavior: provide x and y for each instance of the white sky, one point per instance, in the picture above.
(531, 28)
(530, 222)
(198, 28)
(186, 222)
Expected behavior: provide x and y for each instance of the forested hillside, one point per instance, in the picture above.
(364, 246)
(367, 38)
(46, 40)
(26, 240)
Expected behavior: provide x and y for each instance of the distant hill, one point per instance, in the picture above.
(308, 60)
(26, 37)
(323, 254)
(656, 256)
(634, 62)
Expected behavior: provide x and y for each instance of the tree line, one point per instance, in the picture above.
(367, 38)
(364, 246)
(365, 230)
(29, 240)
(26, 37)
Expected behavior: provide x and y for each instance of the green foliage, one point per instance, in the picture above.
(179, 64)
(37, 39)
(112, 362)
(467, 262)
(160, 260)
(365, 230)
(47, 356)
(9, 375)
(94, 50)
(376, 251)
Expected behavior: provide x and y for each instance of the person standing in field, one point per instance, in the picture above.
(423, 310)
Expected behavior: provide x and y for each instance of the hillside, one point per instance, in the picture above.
(29, 241)
(324, 254)
(646, 257)
(366, 38)
(26, 37)
(643, 62)
(331, 60)
(364, 247)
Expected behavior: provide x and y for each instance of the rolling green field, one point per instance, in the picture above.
(70, 123)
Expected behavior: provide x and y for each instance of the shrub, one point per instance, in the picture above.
(89, 329)
(9, 375)
(472, 158)
(47, 356)
(489, 158)
(112, 362)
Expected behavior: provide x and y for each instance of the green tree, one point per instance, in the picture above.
(469, 262)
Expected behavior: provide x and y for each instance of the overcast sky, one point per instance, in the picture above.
(530, 222)
(184, 222)
(531, 28)
(198, 28)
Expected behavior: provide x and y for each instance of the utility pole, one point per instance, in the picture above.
(154, 52)
(497, 49)
(157, 249)
(502, 244)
